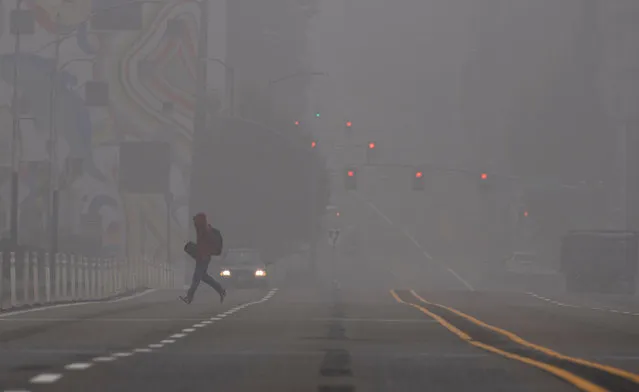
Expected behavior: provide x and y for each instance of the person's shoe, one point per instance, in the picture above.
(186, 300)
(222, 296)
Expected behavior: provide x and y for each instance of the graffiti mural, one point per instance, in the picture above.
(144, 69)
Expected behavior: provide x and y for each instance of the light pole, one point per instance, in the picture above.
(14, 139)
(54, 183)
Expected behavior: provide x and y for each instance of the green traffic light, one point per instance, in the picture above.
(317, 114)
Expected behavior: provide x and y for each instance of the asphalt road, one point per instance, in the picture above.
(379, 315)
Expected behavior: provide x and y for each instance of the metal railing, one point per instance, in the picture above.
(34, 279)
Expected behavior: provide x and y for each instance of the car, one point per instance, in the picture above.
(243, 267)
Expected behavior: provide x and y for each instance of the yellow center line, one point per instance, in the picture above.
(573, 379)
(517, 339)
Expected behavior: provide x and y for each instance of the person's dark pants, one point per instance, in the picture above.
(201, 274)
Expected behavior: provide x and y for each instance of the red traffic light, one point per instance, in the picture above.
(349, 124)
(351, 173)
(297, 123)
(313, 144)
(484, 176)
(419, 174)
(371, 145)
(526, 213)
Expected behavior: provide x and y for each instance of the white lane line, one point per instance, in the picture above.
(138, 295)
(155, 345)
(468, 286)
(207, 322)
(122, 355)
(582, 307)
(198, 325)
(143, 350)
(221, 315)
(167, 341)
(98, 320)
(374, 207)
(215, 319)
(78, 366)
(45, 378)
(418, 245)
(177, 335)
(103, 359)
(60, 306)
(188, 330)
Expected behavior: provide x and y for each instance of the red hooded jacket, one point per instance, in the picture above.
(209, 239)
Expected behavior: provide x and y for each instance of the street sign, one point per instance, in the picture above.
(333, 237)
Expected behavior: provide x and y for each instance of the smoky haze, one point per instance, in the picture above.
(319, 195)
(525, 92)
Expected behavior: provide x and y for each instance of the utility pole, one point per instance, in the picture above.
(16, 139)
(53, 202)
(200, 115)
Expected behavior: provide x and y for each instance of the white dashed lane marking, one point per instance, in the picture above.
(103, 359)
(46, 378)
(78, 366)
(49, 378)
(551, 301)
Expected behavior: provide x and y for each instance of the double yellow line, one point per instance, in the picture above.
(577, 381)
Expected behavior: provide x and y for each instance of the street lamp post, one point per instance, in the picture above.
(15, 136)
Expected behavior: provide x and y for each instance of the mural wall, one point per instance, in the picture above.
(143, 69)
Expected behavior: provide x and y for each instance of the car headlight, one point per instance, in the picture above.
(225, 273)
(260, 272)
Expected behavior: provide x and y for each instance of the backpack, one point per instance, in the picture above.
(216, 240)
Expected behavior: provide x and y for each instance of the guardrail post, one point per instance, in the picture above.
(12, 277)
(72, 268)
(87, 278)
(36, 278)
(1, 281)
(25, 279)
(47, 277)
(65, 280)
(100, 263)
(56, 260)
(94, 278)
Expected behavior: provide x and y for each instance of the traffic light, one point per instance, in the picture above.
(350, 179)
(313, 144)
(370, 151)
(349, 127)
(297, 123)
(485, 181)
(317, 114)
(418, 180)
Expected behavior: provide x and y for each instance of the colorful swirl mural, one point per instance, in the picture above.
(144, 69)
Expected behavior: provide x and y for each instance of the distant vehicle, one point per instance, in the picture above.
(243, 267)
